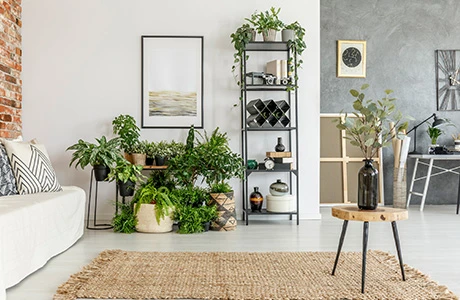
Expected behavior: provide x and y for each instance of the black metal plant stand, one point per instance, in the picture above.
(95, 225)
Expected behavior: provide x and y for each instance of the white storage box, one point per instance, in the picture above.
(280, 203)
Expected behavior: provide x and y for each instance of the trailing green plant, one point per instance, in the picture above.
(240, 38)
(103, 153)
(297, 47)
(125, 171)
(125, 126)
(264, 21)
(369, 129)
(125, 221)
(161, 197)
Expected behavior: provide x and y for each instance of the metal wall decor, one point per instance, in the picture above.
(172, 81)
(448, 79)
(351, 59)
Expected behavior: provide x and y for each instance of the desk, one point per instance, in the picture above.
(380, 214)
(431, 158)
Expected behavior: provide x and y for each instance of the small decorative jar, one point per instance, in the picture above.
(256, 200)
(252, 164)
(279, 188)
(280, 147)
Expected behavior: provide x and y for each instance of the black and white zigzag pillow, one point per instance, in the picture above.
(32, 168)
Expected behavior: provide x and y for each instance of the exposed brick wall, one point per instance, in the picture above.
(10, 68)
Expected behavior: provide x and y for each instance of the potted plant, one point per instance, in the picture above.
(149, 153)
(126, 175)
(370, 130)
(161, 153)
(125, 126)
(267, 23)
(219, 165)
(138, 154)
(175, 149)
(153, 208)
(100, 156)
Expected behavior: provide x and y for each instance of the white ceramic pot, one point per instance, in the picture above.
(280, 203)
(146, 221)
(270, 36)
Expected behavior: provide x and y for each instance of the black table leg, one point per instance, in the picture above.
(342, 237)
(458, 194)
(398, 248)
(365, 236)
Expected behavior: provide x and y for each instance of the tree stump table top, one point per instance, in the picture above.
(381, 214)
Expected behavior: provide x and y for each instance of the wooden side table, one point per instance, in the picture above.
(381, 214)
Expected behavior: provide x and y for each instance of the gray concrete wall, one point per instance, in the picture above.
(402, 37)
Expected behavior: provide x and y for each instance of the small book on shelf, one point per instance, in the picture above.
(278, 154)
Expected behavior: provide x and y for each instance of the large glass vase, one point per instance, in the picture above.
(368, 186)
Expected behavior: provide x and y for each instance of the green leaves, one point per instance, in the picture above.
(368, 128)
(103, 153)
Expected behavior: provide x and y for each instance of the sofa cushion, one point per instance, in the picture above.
(7, 180)
(31, 168)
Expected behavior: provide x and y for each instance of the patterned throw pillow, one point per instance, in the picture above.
(31, 168)
(7, 181)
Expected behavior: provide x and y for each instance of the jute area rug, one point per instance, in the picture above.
(117, 274)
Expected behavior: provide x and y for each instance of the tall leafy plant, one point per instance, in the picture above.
(125, 126)
(369, 129)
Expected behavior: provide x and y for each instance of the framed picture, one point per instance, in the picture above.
(351, 59)
(172, 81)
(448, 79)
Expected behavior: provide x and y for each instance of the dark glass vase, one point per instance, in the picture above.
(256, 200)
(280, 147)
(368, 186)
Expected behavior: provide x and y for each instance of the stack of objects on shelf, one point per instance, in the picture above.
(279, 199)
(282, 160)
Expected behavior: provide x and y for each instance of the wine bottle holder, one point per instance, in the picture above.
(267, 113)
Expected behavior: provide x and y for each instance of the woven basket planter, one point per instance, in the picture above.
(226, 220)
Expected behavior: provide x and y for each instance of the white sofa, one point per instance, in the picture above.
(36, 227)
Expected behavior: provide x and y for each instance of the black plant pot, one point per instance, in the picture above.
(206, 226)
(126, 188)
(160, 160)
(149, 161)
(101, 172)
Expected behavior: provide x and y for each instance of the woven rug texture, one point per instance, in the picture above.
(117, 274)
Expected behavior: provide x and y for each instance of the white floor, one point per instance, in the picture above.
(430, 242)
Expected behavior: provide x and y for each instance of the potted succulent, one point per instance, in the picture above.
(125, 126)
(267, 23)
(100, 156)
(138, 154)
(149, 153)
(153, 208)
(126, 175)
(369, 129)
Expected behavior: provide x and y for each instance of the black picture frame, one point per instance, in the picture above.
(172, 81)
(447, 64)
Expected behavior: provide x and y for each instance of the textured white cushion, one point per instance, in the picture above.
(32, 168)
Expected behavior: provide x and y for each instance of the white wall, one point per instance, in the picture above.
(82, 67)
